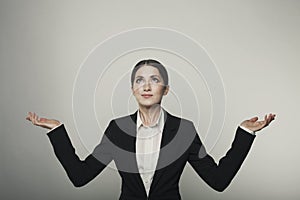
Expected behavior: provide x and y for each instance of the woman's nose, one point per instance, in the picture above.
(147, 86)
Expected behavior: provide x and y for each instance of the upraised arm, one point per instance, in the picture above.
(80, 172)
(219, 176)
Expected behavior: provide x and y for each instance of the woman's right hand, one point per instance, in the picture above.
(42, 122)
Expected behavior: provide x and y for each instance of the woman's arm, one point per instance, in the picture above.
(80, 172)
(219, 176)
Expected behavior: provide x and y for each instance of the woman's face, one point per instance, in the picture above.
(148, 86)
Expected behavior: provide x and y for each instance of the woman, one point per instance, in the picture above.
(151, 147)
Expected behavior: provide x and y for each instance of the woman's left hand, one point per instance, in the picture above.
(254, 125)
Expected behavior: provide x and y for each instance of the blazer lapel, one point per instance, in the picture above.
(169, 132)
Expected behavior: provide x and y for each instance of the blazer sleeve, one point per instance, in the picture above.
(219, 176)
(80, 172)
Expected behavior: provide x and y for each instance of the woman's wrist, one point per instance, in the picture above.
(54, 127)
(56, 124)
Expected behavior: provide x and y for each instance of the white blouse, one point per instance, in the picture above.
(147, 148)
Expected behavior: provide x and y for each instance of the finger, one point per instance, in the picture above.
(270, 118)
(35, 118)
(32, 117)
(253, 119)
(29, 116)
(266, 117)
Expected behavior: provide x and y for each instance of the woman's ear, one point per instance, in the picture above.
(166, 90)
(132, 89)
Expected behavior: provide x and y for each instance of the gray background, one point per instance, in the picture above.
(253, 43)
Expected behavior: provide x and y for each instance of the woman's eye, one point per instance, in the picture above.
(155, 80)
(139, 80)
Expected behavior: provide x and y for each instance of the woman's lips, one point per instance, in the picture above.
(147, 95)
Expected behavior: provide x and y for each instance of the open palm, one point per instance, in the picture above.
(42, 122)
(254, 125)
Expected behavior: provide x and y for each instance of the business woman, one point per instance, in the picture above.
(151, 147)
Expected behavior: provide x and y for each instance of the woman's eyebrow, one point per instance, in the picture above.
(152, 76)
(156, 76)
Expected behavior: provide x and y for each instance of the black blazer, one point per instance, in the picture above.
(180, 144)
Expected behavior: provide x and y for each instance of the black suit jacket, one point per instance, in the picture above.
(180, 144)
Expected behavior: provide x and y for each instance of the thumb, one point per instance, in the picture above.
(253, 119)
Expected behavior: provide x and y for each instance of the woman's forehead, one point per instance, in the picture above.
(147, 70)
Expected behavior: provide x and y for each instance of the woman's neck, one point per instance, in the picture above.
(149, 115)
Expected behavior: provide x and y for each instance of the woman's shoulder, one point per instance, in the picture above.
(126, 123)
(125, 118)
(174, 117)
